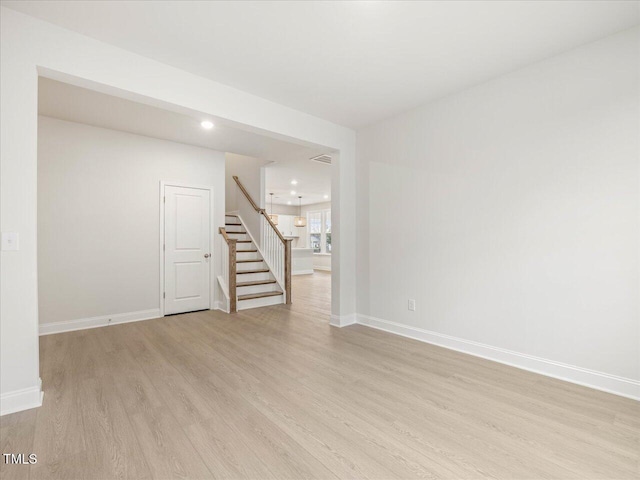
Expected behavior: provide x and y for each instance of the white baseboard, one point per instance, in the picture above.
(102, 321)
(20, 400)
(624, 387)
(324, 269)
(223, 306)
(303, 272)
(343, 320)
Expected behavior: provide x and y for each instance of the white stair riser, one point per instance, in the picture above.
(243, 267)
(248, 255)
(234, 229)
(252, 277)
(269, 287)
(239, 236)
(260, 302)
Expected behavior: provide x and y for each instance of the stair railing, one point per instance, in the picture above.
(276, 249)
(228, 261)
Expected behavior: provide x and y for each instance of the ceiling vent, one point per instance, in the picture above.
(324, 158)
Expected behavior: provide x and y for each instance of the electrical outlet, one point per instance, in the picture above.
(412, 305)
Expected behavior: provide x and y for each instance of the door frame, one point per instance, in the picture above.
(212, 262)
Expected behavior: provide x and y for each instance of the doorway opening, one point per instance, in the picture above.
(298, 196)
(106, 166)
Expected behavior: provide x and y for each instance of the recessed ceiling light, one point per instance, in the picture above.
(288, 203)
(294, 182)
(326, 196)
(206, 124)
(293, 192)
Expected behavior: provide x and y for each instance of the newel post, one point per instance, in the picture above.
(287, 269)
(233, 308)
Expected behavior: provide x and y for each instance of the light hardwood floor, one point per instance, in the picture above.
(278, 393)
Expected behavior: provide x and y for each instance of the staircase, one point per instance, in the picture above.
(254, 275)
(256, 286)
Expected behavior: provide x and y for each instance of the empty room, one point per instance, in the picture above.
(319, 239)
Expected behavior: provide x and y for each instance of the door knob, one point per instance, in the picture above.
(206, 255)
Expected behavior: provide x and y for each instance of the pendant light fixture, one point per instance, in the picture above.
(274, 218)
(300, 221)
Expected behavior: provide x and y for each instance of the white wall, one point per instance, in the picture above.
(282, 209)
(28, 47)
(320, 261)
(98, 216)
(510, 212)
(250, 173)
(248, 170)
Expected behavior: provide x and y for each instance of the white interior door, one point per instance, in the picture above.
(187, 254)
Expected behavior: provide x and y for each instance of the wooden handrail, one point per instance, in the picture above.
(246, 194)
(223, 232)
(258, 209)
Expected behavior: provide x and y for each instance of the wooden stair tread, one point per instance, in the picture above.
(230, 215)
(250, 296)
(249, 261)
(233, 233)
(247, 251)
(261, 270)
(243, 241)
(254, 283)
(233, 224)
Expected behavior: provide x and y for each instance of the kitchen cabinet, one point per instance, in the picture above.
(286, 227)
(301, 261)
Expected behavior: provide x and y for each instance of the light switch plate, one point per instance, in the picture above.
(412, 305)
(10, 241)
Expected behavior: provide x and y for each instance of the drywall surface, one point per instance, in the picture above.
(281, 209)
(98, 216)
(248, 170)
(250, 173)
(510, 212)
(30, 47)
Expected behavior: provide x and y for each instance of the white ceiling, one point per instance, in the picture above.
(290, 161)
(75, 104)
(314, 180)
(350, 62)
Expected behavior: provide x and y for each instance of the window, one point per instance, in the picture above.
(320, 231)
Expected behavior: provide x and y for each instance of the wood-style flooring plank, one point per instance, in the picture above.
(166, 447)
(277, 393)
(112, 449)
(17, 432)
